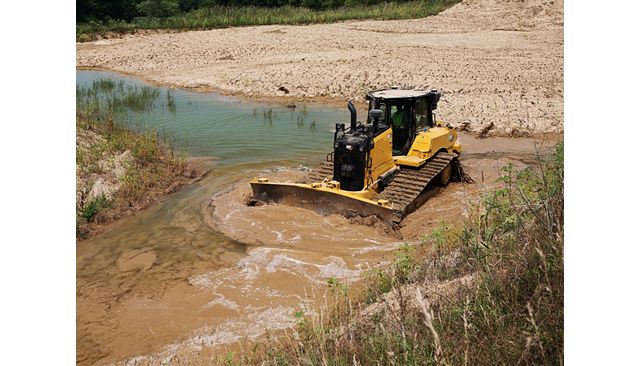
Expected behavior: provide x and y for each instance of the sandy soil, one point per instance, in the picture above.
(498, 62)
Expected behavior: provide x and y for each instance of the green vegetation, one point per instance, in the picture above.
(487, 292)
(94, 206)
(159, 8)
(107, 97)
(163, 14)
(132, 164)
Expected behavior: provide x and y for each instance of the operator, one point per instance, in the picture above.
(400, 121)
(400, 118)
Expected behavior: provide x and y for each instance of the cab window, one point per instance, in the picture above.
(400, 122)
(421, 114)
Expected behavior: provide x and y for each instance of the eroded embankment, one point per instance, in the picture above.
(499, 63)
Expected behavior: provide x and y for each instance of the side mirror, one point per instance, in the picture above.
(376, 114)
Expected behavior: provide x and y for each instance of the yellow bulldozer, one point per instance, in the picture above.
(383, 167)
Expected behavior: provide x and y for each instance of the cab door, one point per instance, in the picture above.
(402, 122)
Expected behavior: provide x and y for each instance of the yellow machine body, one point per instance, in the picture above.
(381, 156)
(428, 143)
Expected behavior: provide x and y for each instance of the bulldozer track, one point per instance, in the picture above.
(322, 172)
(406, 189)
(407, 186)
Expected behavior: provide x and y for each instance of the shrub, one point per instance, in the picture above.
(94, 206)
(83, 37)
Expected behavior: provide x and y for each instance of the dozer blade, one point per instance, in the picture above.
(323, 202)
(408, 190)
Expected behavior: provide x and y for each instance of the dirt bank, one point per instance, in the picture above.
(499, 62)
(113, 182)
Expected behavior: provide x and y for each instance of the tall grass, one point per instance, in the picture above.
(222, 17)
(487, 292)
(108, 96)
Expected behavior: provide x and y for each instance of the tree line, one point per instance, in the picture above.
(100, 10)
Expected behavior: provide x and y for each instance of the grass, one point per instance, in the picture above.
(94, 206)
(111, 97)
(489, 291)
(222, 17)
(149, 163)
(171, 102)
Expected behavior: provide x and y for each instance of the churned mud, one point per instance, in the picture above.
(271, 224)
(499, 63)
(148, 311)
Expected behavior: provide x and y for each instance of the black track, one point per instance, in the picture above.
(407, 186)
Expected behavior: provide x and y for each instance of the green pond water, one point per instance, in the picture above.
(235, 131)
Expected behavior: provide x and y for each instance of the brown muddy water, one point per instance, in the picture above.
(201, 270)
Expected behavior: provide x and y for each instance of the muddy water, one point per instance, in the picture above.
(168, 278)
(201, 269)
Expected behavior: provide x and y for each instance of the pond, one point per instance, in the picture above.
(232, 130)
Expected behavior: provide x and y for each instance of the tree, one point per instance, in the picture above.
(313, 4)
(159, 8)
(104, 9)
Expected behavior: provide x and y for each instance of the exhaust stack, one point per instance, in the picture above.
(352, 109)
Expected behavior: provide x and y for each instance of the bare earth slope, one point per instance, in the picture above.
(499, 62)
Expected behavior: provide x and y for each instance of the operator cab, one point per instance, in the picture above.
(406, 111)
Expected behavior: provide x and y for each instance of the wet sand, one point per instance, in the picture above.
(498, 62)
